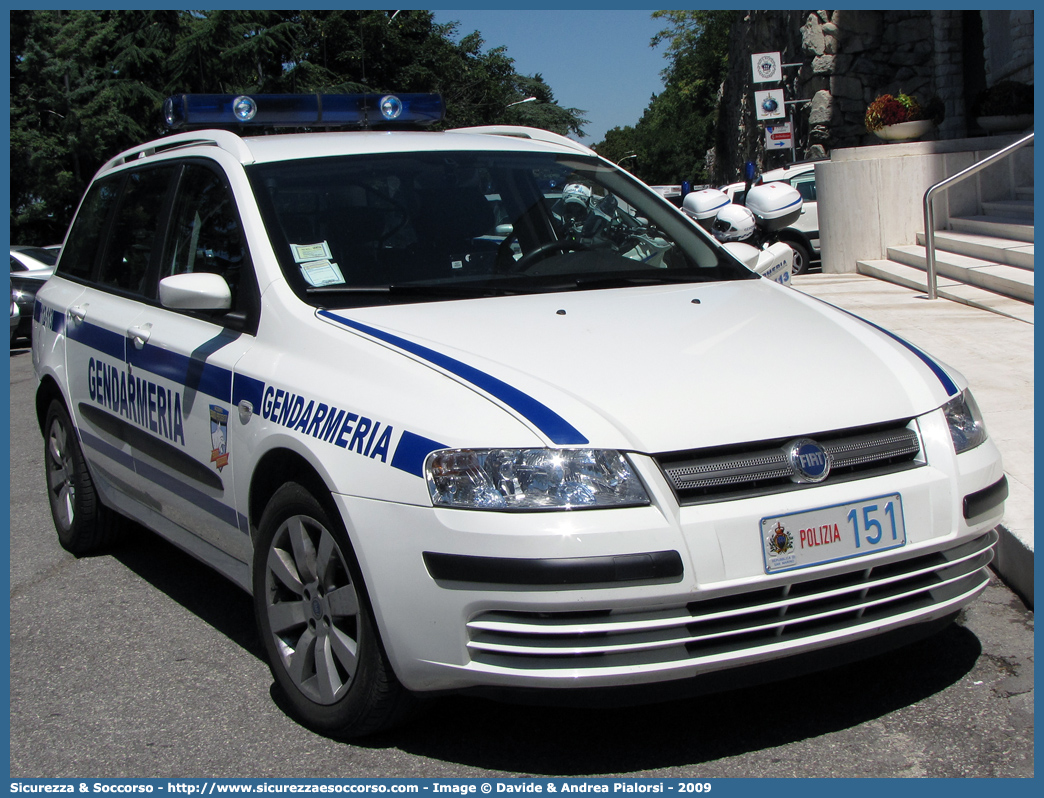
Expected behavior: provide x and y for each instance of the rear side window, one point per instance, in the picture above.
(806, 184)
(81, 248)
(125, 265)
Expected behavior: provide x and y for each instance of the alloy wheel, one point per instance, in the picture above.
(61, 471)
(313, 609)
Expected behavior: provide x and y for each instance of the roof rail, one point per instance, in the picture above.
(223, 139)
(533, 133)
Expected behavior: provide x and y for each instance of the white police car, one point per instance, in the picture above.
(451, 436)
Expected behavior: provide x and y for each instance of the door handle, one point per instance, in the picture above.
(78, 313)
(139, 334)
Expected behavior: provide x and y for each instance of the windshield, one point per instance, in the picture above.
(407, 227)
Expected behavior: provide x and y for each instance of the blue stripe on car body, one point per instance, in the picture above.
(948, 384)
(544, 418)
(198, 375)
(98, 338)
(411, 452)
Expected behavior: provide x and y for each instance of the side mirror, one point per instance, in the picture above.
(198, 291)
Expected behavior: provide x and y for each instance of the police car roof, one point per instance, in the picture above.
(295, 146)
(319, 145)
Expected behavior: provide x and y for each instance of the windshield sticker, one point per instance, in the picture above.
(322, 272)
(306, 252)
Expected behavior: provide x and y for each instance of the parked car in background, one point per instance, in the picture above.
(803, 235)
(30, 269)
(16, 314)
(32, 258)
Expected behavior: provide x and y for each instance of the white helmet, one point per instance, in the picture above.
(576, 201)
(576, 194)
(733, 223)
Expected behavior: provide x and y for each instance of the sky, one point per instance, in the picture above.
(597, 61)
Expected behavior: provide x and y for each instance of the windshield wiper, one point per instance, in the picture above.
(628, 280)
(419, 289)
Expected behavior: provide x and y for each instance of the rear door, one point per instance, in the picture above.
(110, 249)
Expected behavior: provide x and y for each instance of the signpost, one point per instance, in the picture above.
(771, 104)
(766, 67)
(779, 137)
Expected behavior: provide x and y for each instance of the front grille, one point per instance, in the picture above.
(758, 469)
(705, 630)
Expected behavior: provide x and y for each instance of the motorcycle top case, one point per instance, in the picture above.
(774, 205)
(703, 205)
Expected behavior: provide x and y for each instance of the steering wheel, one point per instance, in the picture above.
(528, 260)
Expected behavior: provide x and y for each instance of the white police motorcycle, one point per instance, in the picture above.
(749, 232)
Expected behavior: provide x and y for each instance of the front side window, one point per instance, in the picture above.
(205, 235)
(408, 227)
(125, 265)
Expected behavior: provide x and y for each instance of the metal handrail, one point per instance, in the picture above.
(929, 211)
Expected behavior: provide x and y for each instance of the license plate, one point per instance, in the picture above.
(828, 534)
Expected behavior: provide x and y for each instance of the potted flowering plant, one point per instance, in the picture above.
(1007, 105)
(897, 117)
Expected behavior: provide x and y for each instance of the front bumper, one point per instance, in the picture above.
(596, 598)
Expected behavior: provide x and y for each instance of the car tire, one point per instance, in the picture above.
(316, 622)
(83, 523)
(801, 257)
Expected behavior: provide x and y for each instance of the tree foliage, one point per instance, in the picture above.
(88, 84)
(671, 141)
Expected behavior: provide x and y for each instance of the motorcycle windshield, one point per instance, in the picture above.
(352, 231)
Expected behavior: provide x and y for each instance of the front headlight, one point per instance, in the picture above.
(532, 479)
(965, 422)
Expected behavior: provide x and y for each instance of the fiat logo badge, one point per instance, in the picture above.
(809, 461)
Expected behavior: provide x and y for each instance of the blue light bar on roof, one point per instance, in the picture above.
(183, 111)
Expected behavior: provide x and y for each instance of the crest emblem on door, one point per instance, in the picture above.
(218, 436)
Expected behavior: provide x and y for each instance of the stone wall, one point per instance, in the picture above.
(856, 56)
(1008, 45)
(948, 70)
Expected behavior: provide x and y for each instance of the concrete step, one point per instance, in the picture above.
(1019, 229)
(1024, 193)
(999, 278)
(984, 247)
(1019, 208)
(947, 288)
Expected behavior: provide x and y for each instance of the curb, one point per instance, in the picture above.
(1013, 563)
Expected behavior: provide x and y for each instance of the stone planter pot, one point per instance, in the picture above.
(904, 131)
(1005, 122)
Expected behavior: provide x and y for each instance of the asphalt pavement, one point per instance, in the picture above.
(995, 353)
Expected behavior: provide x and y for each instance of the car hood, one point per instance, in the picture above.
(660, 369)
